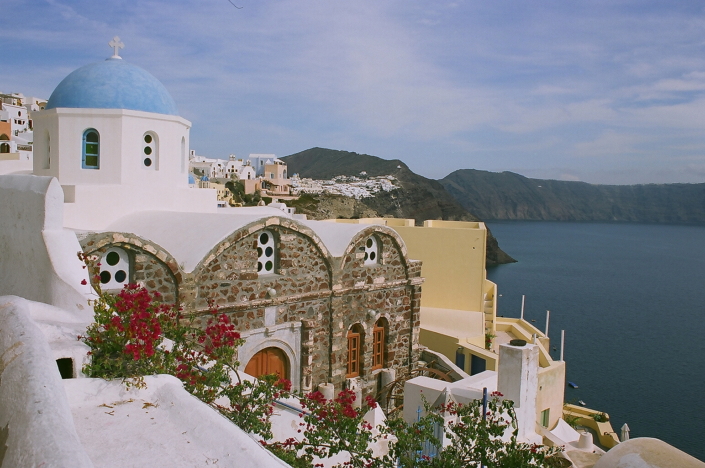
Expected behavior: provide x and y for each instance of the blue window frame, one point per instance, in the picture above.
(91, 149)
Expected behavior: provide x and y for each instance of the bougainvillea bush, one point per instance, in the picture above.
(134, 335)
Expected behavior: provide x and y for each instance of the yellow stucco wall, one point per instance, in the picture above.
(453, 256)
(551, 392)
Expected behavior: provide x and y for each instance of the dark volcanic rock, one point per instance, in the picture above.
(511, 196)
(418, 198)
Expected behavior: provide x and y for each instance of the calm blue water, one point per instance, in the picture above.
(631, 299)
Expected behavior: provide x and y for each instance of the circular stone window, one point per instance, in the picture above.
(266, 255)
(114, 269)
(371, 251)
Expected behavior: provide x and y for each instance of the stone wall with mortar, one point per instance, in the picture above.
(150, 265)
(327, 295)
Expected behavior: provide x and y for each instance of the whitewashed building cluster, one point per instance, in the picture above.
(16, 130)
(348, 186)
(263, 173)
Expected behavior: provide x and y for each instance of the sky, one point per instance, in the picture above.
(608, 92)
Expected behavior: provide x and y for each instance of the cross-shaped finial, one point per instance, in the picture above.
(116, 45)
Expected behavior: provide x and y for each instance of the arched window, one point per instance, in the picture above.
(355, 340)
(91, 149)
(379, 345)
(150, 151)
(266, 253)
(4, 147)
(114, 269)
(371, 251)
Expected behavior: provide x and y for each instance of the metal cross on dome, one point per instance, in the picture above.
(116, 45)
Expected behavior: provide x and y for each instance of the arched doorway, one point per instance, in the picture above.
(269, 361)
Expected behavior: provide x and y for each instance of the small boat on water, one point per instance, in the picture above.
(582, 403)
(572, 384)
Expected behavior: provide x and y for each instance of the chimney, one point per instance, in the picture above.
(517, 380)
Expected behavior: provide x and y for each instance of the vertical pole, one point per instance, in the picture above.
(562, 343)
(548, 315)
(523, 297)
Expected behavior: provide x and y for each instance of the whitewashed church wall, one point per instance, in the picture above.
(166, 168)
(121, 146)
(65, 128)
(35, 418)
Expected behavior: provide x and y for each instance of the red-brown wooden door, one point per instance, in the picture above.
(269, 361)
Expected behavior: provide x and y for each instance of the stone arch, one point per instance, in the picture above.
(228, 273)
(378, 230)
(94, 243)
(262, 224)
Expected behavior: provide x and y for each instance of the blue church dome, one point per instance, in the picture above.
(191, 180)
(205, 178)
(112, 84)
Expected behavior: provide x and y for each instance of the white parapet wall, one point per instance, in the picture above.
(38, 256)
(36, 425)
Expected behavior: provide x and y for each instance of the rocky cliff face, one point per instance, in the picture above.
(418, 197)
(510, 196)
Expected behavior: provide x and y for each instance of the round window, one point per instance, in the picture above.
(147, 162)
(264, 238)
(112, 258)
(148, 138)
(147, 150)
(114, 269)
(105, 277)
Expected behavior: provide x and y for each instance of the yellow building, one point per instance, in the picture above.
(459, 305)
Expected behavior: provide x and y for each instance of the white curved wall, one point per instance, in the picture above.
(37, 255)
(36, 424)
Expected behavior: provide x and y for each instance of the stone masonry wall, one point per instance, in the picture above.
(363, 294)
(149, 264)
(326, 295)
(302, 282)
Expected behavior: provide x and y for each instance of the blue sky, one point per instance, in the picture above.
(599, 91)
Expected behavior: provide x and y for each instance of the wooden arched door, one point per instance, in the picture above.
(268, 361)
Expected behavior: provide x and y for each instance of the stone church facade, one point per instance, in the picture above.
(342, 319)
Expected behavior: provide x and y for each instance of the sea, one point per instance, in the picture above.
(631, 299)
